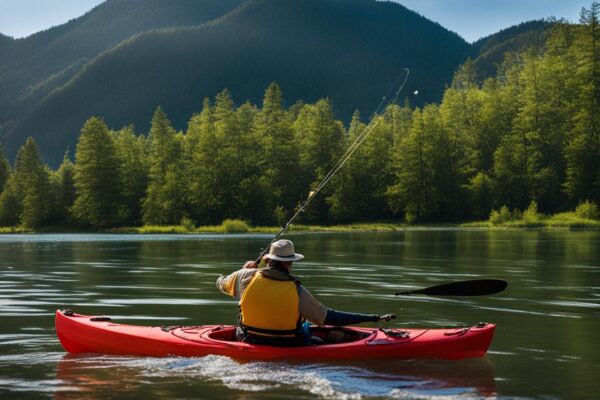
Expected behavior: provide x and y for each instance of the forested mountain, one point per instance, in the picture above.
(347, 50)
(523, 142)
(488, 52)
(30, 65)
(33, 67)
(4, 40)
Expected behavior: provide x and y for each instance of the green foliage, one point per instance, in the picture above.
(360, 187)
(10, 204)
(281, 216)
(322, 140)
(278, 157)
(527, 139)
(28, 198)
(301, 44)
(531, 213)
(132, 152)
(583, 150)
(500, 217)
(234, 226)
(187, 223)
(528, 218)
(224, 176)
(65, 192)
(491, 50)
(4, 171)
(587, 210)
(97, 179)
(166, 192)
(481, 194)
(414, 192)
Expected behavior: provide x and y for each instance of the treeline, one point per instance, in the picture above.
(532, 133)
(312, 48)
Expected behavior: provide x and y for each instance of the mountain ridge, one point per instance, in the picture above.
(35, 58)
(352, 50)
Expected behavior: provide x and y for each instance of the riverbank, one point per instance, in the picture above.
(531, 219)
(245, 228)
(235, 227)
(554, 222)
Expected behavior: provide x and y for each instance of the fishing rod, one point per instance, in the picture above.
(385, 102)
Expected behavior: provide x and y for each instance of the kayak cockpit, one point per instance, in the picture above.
(319, 335)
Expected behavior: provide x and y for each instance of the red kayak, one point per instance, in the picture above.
(84, 334)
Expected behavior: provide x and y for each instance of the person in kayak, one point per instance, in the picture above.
(273, 303)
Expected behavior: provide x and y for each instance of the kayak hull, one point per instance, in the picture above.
(84, 334)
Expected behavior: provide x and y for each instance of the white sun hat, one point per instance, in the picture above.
(283, 250)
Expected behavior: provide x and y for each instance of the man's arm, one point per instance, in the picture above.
(318, 314)
(227, 284)
(235, 283)
(311, 309)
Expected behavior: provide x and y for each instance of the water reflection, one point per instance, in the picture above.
(88, 377)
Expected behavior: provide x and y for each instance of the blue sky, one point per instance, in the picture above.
(471, 19)
(19, 18)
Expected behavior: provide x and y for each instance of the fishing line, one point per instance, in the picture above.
(381, 108)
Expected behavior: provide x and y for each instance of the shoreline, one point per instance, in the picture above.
(345, 228)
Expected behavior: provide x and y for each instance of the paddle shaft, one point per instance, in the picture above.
(476, 287)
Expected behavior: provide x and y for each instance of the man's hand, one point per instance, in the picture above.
(387, 317)
(250, 265)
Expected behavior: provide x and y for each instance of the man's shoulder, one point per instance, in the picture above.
(245, 273)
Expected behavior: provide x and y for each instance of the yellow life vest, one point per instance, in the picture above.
(270, 307)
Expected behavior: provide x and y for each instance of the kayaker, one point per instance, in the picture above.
(273, 303)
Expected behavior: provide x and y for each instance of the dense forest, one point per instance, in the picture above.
(125, 57)
(531, 133)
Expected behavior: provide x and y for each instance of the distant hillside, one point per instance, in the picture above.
(28, 64)
(488, 52)
(125, 57)
(348, 50)
(5, 39)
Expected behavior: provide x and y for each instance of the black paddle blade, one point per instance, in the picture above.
(477, 287)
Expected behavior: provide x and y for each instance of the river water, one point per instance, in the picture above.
(546, 346)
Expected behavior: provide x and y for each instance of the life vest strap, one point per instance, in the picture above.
(271, 332)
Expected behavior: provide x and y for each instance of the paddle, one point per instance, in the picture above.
(477, 287)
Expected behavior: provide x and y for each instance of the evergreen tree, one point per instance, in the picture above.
(200, 138)
(360, 186)
(10, 203)
(166, 193)
(466, 76)
(481, 195)
(583, 150)
(32, 184)
(134, 168)
(511, 180)
(65, 192)
(399, 120)
(257, 202)
(542, 122)
(321, 141)
(413, 191)
(456, 138)
(4, 171)
(278, 156)
(499, 105)
(224, 177)
(97, 179)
